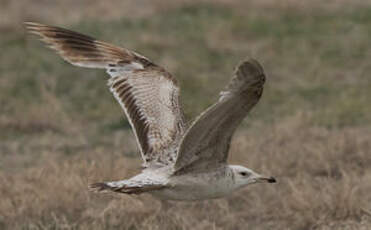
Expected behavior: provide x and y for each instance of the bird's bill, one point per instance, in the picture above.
(265, 179)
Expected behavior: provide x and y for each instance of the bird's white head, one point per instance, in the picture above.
(244, 176)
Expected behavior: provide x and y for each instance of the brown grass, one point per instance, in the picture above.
(323, 181)
(60, 129)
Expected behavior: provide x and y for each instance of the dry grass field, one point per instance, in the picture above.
(61, 129)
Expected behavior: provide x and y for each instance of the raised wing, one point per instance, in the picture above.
(206, 143)
(147, 93)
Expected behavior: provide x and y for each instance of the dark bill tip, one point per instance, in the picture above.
(272, 180)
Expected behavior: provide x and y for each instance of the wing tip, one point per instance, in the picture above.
(33, 25)
(250, 66)
(34, 28)
(30, 23)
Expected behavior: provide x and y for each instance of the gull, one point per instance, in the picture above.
(181, 162)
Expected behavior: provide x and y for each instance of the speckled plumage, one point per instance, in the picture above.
(179, 163)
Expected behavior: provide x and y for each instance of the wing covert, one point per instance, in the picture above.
(150, 99)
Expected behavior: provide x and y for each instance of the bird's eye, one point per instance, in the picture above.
(243, 173)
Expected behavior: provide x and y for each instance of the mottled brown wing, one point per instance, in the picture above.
(150, 100)
(147, 93)
(85, 51)
(206, 143)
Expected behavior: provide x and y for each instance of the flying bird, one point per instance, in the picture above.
(179, 162)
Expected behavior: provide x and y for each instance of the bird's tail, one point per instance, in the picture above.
(125, 186)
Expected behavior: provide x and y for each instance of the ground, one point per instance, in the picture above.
(61, 129)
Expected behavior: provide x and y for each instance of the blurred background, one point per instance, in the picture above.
(61, 129)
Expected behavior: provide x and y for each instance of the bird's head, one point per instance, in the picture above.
(244, 176)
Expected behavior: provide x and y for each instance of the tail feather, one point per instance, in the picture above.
(99, 187)
(124, 187)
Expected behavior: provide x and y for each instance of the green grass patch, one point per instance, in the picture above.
(303, 54)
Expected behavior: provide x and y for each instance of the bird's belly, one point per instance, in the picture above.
(195, 189)
(186, 195)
